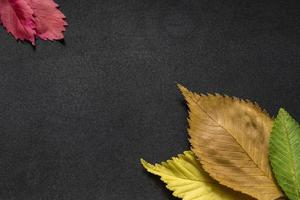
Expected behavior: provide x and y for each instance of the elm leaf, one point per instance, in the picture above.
(285, 154)
(230, 136)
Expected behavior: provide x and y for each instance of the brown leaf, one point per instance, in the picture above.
(230, 137)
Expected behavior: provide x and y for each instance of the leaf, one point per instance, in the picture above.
(17, 18)
(230, 137)
(26, 19)
(285, 154)
(189, 181)
(50, 23)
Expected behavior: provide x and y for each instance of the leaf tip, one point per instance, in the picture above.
(144, 163)
(183, 89)
(282, 113)
(149, 167)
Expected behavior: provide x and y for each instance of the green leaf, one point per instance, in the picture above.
(185, 176)
(285, 154)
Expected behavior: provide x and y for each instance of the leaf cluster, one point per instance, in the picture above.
(236, 151)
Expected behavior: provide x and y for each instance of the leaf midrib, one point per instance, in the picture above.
(193, 180)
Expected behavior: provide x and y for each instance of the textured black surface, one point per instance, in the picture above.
(76, 116)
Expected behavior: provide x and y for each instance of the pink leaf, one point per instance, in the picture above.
(25, 19)
(17, 18)
(50, 23)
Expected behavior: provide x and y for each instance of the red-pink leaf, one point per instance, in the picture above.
(17, 18)
(50, 23)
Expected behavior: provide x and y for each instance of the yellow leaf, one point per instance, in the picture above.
(184, 176)
(230, 137)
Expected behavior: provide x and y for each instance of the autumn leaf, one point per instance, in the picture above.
(285, 154)
(17, 18)
(230, 137)
(185, 176)
(50, 23)
(28, 19)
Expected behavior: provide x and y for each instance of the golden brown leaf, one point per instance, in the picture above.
(230, 137)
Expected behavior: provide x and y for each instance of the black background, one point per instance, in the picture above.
(76, 116)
